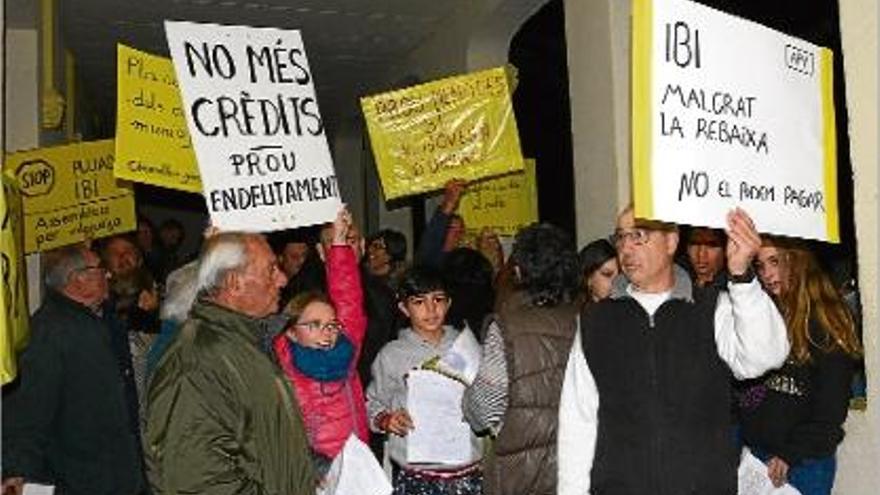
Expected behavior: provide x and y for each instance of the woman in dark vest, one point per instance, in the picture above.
(792, 417)
(515, 395)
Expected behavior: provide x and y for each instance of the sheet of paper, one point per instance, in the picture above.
(37, 489)
(753, 479)
(355, 471)
(462, 360)
(440, 435)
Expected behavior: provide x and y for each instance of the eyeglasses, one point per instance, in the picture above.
(638, 237)
(92, 269)
(317, 326)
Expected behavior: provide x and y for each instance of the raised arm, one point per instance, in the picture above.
(430, 250)
(749, 331)
(344, 282)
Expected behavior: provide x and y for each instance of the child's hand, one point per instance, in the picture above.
(341, 226)
(397, 422)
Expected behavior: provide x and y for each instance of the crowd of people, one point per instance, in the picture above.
(639, 365)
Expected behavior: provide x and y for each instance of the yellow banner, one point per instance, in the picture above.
(70, 194)
(152, 141)
(504, 204)
(461, 127)
(13, 286)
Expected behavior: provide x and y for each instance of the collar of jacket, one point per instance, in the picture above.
(682, 289)
(517, 299)
(59, 298)
(246, 326)
(449, 334)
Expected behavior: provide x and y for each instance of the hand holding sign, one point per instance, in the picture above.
(452, 195)
(341, 226)
(743, 241)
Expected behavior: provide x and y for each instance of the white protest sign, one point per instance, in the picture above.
(726, 113)
(255, 126)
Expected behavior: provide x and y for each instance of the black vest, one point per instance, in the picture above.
(664, 399)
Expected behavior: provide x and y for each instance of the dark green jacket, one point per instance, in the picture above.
(221, 418)
(66, 422)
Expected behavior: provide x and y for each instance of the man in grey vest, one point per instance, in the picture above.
(645, 400)
(515, 395)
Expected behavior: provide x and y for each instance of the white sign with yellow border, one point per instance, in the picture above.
(726, 113)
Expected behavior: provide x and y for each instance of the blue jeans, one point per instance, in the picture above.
(810, 476)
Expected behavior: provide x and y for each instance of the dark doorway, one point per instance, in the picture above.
(543, 113)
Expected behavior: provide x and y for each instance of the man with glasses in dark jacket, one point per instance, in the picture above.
(66, 422)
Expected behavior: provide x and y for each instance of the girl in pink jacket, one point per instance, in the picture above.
(319, 349)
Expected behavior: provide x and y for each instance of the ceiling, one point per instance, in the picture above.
(351, 44)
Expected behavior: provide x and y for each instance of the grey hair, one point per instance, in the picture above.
(59, 264)
(223, 254)
(180, 293)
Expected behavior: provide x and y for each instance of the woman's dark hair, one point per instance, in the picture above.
(469, 278)
(395, 243)
(594, 255)
(548, 264)
(417, 280)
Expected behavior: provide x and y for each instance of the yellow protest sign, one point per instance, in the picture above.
(70, 194)
(504, 204)
(13, 286)
(152, 141)
(461, 127)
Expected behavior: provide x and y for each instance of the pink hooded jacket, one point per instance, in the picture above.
(333, 410)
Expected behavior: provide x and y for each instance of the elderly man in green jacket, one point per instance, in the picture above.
(221, 419)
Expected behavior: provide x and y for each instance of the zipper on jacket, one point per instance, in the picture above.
(654, 422)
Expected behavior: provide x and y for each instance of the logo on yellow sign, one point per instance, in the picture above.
(35, 177)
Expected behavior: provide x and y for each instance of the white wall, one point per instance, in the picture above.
(22, 125)
(597, 37)
(859, 455)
